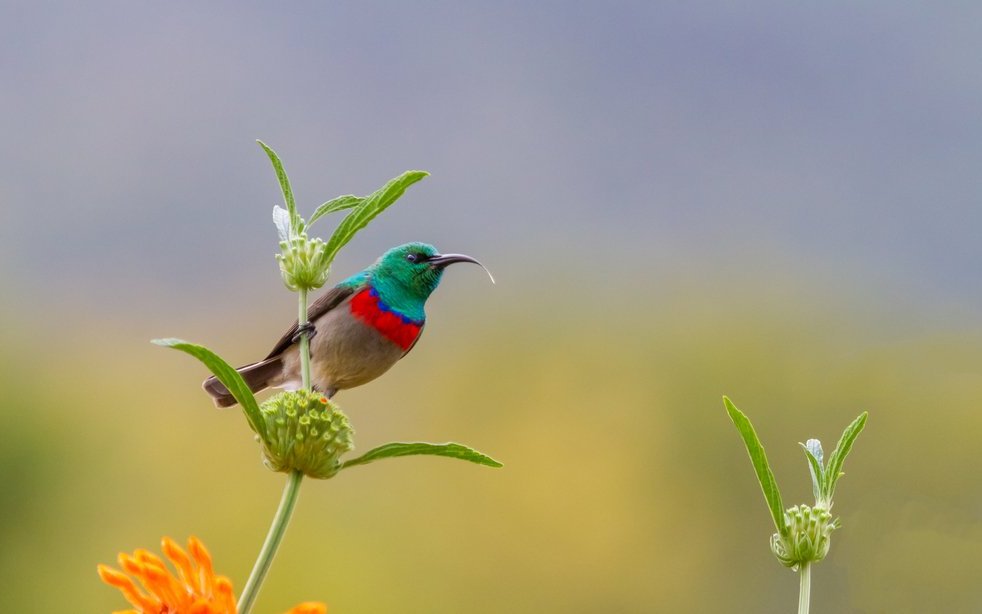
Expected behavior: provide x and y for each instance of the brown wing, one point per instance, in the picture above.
(331, 299)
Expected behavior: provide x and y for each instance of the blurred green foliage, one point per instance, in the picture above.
(624, 489)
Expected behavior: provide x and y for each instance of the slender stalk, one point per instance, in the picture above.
(272, 543)
(804, 594)
(304, 341)
(290, 493)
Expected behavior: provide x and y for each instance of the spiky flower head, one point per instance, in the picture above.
(304, 263)
(808, 537)
(304, 432)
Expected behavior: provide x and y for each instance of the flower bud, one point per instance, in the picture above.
(808, 536)
(303, 263)
(306, 432)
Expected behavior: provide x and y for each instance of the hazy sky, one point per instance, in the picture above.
(841, 135)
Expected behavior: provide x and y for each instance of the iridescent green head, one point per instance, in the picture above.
(405, 276)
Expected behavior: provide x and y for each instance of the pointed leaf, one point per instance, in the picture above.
(374, 203)
(763, 470)
(291, 205)
(281, 218)
(815, 467)
(834, 470)
(226, 375)
(348, 201)
(452, 450)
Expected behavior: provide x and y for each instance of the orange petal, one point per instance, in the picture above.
(160, 582)
(114, 578)
(145, 556)
(309, 607)
(155, 578)
(224, 599)
(199, 552)
(130, 565)
(182, 562)
(201, 556)
(126, 586)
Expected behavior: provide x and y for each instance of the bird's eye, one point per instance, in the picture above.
(412, 257)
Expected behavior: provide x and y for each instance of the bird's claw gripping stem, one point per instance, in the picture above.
(306, 327)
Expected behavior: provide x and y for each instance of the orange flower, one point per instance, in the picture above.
(195, 589)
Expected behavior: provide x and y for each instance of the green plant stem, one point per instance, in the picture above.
(276, 531)
(804, 594)
(304, 341)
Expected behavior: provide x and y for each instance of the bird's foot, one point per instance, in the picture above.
(328, 393)
(306, 327)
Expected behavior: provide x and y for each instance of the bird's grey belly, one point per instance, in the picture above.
(344, 353)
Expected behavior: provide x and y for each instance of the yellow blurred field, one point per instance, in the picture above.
(625, 487)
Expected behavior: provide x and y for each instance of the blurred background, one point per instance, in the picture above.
(772, 201)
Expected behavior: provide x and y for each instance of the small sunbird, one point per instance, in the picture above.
(358, 329)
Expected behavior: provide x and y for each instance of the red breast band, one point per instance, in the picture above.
(369, 308)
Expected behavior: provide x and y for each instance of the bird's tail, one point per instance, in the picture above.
(256, 376)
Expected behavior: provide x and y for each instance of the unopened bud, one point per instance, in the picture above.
(303, 263)
(808, 537)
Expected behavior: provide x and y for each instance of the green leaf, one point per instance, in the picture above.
(834, 470)
(373, 204)
(759, 459)
(348, 201)
(452, 450)
(295, 222)
(226, 375)
(813, 451)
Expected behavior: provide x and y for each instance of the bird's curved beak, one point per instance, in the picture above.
(440, 261)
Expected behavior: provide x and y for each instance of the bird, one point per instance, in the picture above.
(358, 329)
